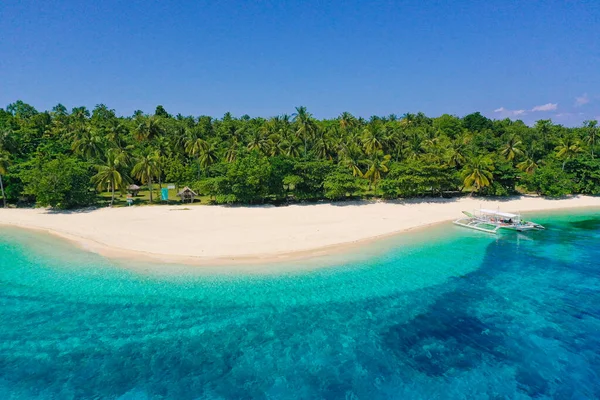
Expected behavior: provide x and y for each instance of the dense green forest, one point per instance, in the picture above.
(66, 159)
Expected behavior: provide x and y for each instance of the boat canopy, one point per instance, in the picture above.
(498, 213)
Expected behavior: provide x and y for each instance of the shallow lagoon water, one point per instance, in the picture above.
(438, 313)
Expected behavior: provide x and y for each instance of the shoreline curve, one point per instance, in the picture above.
(233, 236)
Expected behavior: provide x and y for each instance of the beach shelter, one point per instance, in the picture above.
(187, 194)
(133, 189)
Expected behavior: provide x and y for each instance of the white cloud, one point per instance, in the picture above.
(509, 113)
(567, 114)
(546, 107)
(581, 100)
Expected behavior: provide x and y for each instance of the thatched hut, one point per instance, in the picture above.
(187, 194)
(133, 189)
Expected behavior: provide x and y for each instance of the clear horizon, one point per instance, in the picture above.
(503, 59)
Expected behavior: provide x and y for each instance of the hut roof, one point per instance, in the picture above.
(133, 187)
(186, 190)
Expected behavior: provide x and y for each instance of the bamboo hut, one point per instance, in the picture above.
(133, 189)
(187, 194)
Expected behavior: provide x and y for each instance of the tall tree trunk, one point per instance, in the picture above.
(305, 147)
(112, 189)
(150, 187)
(2, 189)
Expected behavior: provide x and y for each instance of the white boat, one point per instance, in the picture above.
(492, 221)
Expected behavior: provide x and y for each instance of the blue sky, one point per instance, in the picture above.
(526, 59)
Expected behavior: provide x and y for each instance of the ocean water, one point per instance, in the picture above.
(441, 313)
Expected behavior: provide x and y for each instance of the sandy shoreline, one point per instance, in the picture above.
(249, 235)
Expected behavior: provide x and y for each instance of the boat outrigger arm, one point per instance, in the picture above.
(493, 221)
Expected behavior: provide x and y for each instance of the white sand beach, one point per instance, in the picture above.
(220, 235)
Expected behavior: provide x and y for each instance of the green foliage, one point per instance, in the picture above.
(61, 183)
(161, 112)
(176, 170)
(418, 178)
(550, 180)
(476, 122)
(586, 174)
(14, 187)
(248, 181)
(215, 187)
(504, 179)
(477, 173)
(111, 174)
(281, 167)
(147, 168)
(377, 167)
(249, 160)
(448, 125)
(341, 183)
(21, 110)
(310, 178)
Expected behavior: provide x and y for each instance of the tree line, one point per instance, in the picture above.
(65, 158)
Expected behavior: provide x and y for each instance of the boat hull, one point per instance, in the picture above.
(494, 228)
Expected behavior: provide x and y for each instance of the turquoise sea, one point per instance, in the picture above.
(440, 313)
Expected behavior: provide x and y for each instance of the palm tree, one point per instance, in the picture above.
(376, 166)
(322, 146)
(162, 145)
(478, 172)
(4, 163)
(208, 156)
(352, 162)
(414, 145)
(178, 137)
(290, 147)
(79, 116)
(109, 174)
(232, 150)
(408, 119)
(305, 126)
(195, 146)
(147, 129)
(544, 127)
(373, 137)
(591, 130)
(146, 168)
(259, 141)
(87, 144)
(393, 138)
(122, 155)
(568, 148)
(7, 143)
(456, 153)
(512, 148)
(528, 165)
(347, 120)
(436, 147)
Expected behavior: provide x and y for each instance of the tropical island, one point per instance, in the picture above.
(73, 159)
(426, 169)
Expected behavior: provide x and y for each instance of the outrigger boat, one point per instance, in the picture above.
(493, 221)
